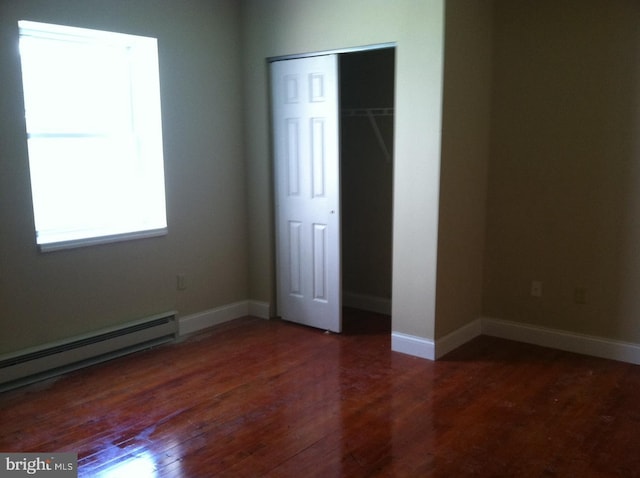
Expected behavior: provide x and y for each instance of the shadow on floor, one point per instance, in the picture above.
(362, 322)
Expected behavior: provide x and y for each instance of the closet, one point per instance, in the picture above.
(333, 172)
(366, 161)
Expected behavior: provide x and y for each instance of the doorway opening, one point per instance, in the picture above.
(333, 132)
(367, 91)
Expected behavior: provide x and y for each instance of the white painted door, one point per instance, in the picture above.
(305, 112)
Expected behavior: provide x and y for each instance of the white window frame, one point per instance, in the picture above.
(139, 204)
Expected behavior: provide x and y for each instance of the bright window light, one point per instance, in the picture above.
(94, 134)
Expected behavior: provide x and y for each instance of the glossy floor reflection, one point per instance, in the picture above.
(268, 398)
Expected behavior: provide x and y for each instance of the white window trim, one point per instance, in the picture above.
(156, 228)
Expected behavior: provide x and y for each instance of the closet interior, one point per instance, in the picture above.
(367, 132)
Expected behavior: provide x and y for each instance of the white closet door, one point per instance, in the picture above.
(305, 107)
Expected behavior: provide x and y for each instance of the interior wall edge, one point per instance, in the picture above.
(260, 309)
(458, 337)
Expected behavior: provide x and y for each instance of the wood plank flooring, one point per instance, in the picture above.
(254, 398)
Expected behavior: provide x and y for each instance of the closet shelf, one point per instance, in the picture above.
(372, 114)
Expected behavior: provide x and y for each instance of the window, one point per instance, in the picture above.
(94, 134)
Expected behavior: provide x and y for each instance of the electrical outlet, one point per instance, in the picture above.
(580, 295)
(181, 281)
(536, 288)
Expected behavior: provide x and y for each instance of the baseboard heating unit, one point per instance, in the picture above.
(38, 363)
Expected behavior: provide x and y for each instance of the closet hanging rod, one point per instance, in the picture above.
(367, 111)
(372, 114)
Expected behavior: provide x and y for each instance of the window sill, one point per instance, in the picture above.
(93, 241)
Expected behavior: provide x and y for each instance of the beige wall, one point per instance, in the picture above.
(284, 27)
(465, 155)
(542, 94)
(45, 297)
(563, 201)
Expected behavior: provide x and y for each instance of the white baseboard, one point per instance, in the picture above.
(259, 309)
(201, 320)
(380, 305)
(563, 340)
(543, 336)
(412, 345)
(458, 337)
(432, 350)
(428, 349)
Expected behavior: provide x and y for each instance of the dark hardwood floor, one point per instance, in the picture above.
(256, 398)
